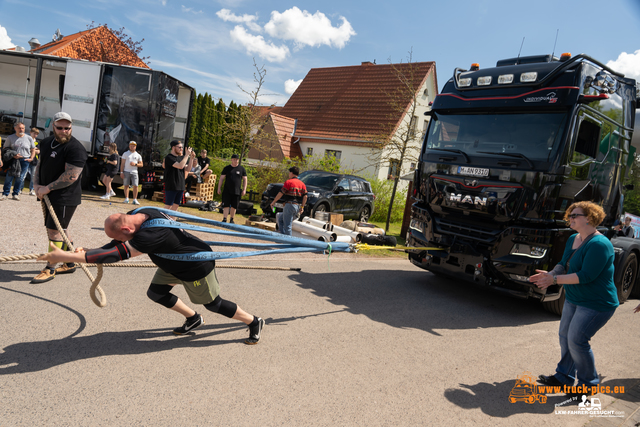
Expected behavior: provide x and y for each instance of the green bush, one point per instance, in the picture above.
(382, 189)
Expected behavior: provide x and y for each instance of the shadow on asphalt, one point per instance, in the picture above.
(492, 399)
(420, 300)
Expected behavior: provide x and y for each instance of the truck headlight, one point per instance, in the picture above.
(416, 225)
(522, 249)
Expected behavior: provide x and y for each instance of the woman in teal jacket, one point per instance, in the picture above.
(586, 272)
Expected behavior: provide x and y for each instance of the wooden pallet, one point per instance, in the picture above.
(158, 196)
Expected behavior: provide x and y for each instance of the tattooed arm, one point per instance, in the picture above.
(69, 176)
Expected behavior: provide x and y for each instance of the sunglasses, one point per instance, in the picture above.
(574, 216)
(63, 128)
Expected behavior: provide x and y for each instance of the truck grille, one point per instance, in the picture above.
(480, 234)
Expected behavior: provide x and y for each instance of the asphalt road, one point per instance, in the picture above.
(348, 341)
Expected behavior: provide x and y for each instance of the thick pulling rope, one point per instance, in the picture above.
(17, 259)
(100, 301)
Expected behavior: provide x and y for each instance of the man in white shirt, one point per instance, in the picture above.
(25, 150)
(131, 161)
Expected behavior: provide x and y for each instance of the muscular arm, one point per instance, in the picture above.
(80, 255)
(69, 176)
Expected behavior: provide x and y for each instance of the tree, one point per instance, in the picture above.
(244, 124)
(400, 139)
(134, 46)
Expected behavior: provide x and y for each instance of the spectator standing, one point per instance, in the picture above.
(25, 151)
(205, 166)
(294, 195)
(586, 272)
(32, 168)
(174, 175)
(234, 180)
(131, 161)
(62, 159)
(112, 169)
(626, 230)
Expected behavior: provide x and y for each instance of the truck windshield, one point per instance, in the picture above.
(532, 135)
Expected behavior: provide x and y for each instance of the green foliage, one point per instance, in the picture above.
(382, 189)
(632, 197)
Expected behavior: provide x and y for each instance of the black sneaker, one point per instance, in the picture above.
(255, 332)
(231, 221)
(224, 219)
(189, 325)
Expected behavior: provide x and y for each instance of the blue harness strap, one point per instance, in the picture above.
(284, 244)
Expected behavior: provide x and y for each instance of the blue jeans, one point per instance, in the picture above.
(32, 173)
(289, 213)
(577, 325)
(17, 188)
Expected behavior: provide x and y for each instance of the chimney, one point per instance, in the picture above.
(367, 63)
(34, 43)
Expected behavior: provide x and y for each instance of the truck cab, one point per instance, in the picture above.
(507, 150)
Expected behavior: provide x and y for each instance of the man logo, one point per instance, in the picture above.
(470, 182)
(477, 201)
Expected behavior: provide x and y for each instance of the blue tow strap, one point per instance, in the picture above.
(284, 243)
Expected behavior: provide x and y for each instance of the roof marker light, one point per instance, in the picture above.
(475, 67)
(466, 82)
(505, 79)
(528, 77)
(484, 81)
(565, 56)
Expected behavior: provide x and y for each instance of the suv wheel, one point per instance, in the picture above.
(365, 213)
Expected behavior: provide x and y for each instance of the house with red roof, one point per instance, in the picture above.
(95, 44)
(354, 113)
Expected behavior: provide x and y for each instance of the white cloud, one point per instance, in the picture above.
(258, 45)
(291, 85)
(190, 9)
(306, 29)
(5, 40)
(249, 20)
(627, 64)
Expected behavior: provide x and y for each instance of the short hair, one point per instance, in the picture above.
(36, 131)
(294, 170)
(594, 212)
(114, 222)
(628, 218)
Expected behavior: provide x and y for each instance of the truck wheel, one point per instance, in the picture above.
(629, 275)
(555, 307)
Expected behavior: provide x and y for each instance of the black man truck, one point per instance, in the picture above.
(507, 150)
(108, 103)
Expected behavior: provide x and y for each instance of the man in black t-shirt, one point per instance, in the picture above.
(234, 179)
(133, 235)
(175, 174)
(62, 159)
(205, 164)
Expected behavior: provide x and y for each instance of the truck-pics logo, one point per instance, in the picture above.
(526, 390)
(551, 98)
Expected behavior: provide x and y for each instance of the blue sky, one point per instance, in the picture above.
(210, 44)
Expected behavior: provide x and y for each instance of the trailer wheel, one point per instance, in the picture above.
(629, 275)
(555, 307)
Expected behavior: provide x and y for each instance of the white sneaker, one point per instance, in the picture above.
(105, 197)
(16, 197)
(112, 193)
(186, 194)
(136, 202)
(126, 200)
(32, 193)
(3, 197)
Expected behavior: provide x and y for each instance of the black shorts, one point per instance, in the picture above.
(64, 214)
(230, 200)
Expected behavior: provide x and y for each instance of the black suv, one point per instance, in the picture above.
(348, 195)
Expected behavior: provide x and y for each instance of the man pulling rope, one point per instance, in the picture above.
(131, 238)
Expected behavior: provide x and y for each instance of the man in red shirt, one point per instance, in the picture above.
(294, 195)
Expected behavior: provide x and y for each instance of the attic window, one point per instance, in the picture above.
(309, 151)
